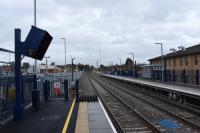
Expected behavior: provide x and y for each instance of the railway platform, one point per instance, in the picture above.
(60, 116)
(180, 89)
(49, 119)
(63, 117)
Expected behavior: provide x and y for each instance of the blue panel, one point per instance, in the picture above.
(168, 124)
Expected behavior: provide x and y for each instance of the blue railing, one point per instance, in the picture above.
(176, 76)
(7, 90)
(7, 93)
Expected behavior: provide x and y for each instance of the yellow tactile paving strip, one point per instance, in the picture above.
(82, 119)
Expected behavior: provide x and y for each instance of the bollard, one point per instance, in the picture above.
(77, 89)
(66, 89)
(36, 99)
(35, 95)
(46, 91)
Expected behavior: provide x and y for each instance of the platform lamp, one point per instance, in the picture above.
(65, 51)
(72, 58)
(120, 66)
(133, 60)
(47, 63)
(162, 59)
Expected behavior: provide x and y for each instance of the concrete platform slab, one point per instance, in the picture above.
(97, 119)
(82, 119)
(92, 119)
(49, 119)
(187, 90)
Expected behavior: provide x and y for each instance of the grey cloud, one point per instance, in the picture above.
(119, 26)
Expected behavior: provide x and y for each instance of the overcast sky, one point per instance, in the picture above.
(103, 28)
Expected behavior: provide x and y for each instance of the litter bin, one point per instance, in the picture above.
(36, 99)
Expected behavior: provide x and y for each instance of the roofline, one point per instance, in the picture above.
(158, 57)
(171, 56)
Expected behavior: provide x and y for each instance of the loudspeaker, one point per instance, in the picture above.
(36, 43)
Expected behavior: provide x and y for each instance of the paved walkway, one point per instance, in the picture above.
(92, 119)
(82, 120)
(49, 119)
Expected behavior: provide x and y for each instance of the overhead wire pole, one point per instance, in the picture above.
(65, 51)
(35, 26)
(72, 68)
(133, 60)
(120, 67)
(47, 63)
(162, 60)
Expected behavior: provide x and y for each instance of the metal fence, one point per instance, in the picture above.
(7, 93)
(176, 76)
(56, 83)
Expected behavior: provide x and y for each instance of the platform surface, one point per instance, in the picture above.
(49, 119)
(173, 87)
(82, 119)
(92, 119)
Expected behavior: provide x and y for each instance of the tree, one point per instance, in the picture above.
(128, 64)
(25, 66)
(81, 67)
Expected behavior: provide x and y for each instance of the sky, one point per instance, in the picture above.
(104, 30)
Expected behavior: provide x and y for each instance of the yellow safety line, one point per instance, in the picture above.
(68, 117)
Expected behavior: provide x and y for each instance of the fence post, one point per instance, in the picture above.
(173, 75)
(197, 77)
(184, 76)
(165, 74)
(66, 89)
(77, 89)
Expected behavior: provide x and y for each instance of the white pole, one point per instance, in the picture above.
(133, 60)
(120, 67)
(65, 51)
(162, 60)
(54, 71)
(35, 25)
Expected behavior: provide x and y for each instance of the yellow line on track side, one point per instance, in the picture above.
(68, 117)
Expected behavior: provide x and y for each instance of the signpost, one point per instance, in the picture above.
(35, 46)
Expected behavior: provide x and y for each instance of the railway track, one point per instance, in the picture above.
(183, 114)
(153, 114)
(187, 107)
(125, 117)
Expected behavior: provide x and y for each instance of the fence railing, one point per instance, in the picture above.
(7, 93)
(176, 76)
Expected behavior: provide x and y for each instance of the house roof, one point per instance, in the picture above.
(44, 67)
(188, 51)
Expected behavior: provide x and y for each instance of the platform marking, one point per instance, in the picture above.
(68, 117)
(107, 117)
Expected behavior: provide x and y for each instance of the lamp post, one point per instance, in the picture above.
(35, 26)
(162, 60)
(65, 51)
(73, 68)
(47, 63)
(54, 63)
(133, 60)
(120, 67)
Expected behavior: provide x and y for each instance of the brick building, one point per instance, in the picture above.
(182, 65)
